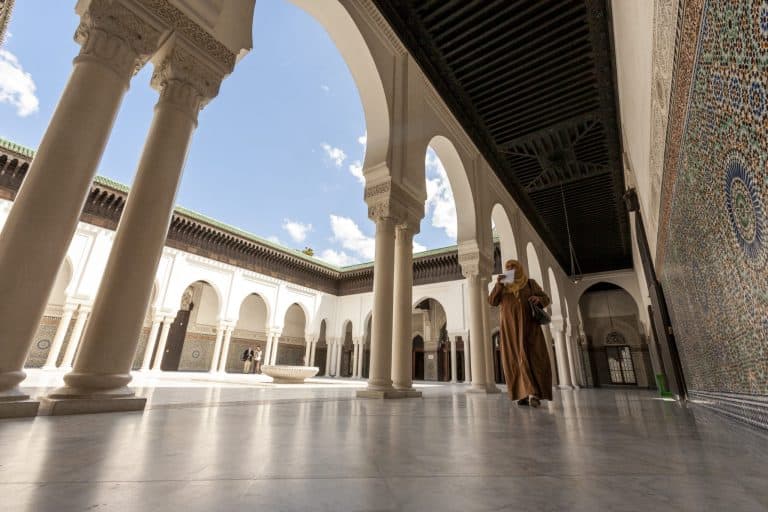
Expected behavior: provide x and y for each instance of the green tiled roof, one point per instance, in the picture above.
(101, 180)
(17, 148)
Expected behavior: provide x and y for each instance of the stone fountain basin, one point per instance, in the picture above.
(284, 374)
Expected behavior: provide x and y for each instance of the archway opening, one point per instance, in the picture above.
(192, 335)
(431, 359)
(250, 334)
(505, 247)
(292, 345)
(616, 351)
(321, 349)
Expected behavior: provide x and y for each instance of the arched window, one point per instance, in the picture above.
(620, 365)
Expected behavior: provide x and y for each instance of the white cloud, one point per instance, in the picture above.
(297, 230)
(348, 234)
(16, 86)
(440, 204)
(325, 88)
(274, 240)
(356, 170)
(363, 139)
(337, 155)
(338, 258)
(417, 247)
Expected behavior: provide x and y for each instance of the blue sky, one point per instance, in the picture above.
(277, 153)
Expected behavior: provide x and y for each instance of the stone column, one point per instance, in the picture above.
(402, 373)
(355, 350)
(490, 376)
(74, 340)
(156, 321)
(160, 352)
(312, 352)
(307, 351)
(454, 368)
(380, 374)
(563, 371)
(275, 347)
(474, 264)
(570, 353)
(228, 329)
(361, 358)
(47, 208)
(217, 348)
(467, 360)
(339, 353)
(268, 350)
(103, 365)
(58, 338)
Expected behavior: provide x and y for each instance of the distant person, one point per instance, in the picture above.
(257, 360)
(247, 360)
(524, 353)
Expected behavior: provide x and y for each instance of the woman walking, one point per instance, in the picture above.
(524, 353)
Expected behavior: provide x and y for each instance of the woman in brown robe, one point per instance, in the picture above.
(524, 353)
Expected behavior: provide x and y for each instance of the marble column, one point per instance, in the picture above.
(83, 313)
(217, 348)
(313, 352)
(402, 372)
(454, 367)
(490, 376)
(361, 360)
(275, 348)
(307, 350)
(467, 360)
(151, 342)
(160, 352)
(58, 338)
(561, 354)
(355, 350)
(570, 354)
(380, 373)
(102, 368)
(227, 340)
(339, 352)
(479, 382)
(334, 348)
(44, 216)
(268, 349)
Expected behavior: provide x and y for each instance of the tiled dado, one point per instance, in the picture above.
(750, 409)
(715, 271)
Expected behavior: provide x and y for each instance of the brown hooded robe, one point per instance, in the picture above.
(524, 353)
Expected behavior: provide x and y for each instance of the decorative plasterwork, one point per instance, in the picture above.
(185, 81)
(380, 26)
(178, 22)
(387, 200)
(116, 37)
(6, 6)
(472, 261)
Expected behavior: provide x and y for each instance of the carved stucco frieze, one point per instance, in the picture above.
(180, 23)
(386, 200)
(185, 81)
(116, 37)
(473, 263)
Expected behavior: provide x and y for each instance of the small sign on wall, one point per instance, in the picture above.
(430, 356)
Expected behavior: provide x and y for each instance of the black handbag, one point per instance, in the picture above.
(540, 316)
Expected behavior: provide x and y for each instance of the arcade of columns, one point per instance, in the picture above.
(118, 38)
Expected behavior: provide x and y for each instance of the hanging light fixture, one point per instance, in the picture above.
(575, 274)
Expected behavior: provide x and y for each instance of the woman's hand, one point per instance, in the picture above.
(534, 300)
(499, 278)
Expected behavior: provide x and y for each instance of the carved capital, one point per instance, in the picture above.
(185, 81)
(114, 36)
(385, 199)
(473, 262)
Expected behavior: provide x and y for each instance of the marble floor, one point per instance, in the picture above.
(226, 444)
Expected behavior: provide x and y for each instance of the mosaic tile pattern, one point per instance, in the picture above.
(715, 269)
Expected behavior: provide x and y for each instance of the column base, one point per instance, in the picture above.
(67, 406)
(482, 391)
(563, 386)
(388, 393)
(18, 408)
(492, 389)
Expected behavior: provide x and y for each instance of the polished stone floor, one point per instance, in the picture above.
(219, 446)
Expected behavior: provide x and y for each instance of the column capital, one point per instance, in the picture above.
(184, 79)
(69, 307)
(386, 199)
(473, 262)
(115, 36)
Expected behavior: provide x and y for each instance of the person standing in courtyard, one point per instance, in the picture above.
(257, 360)
(524, 353)
(247, 360)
